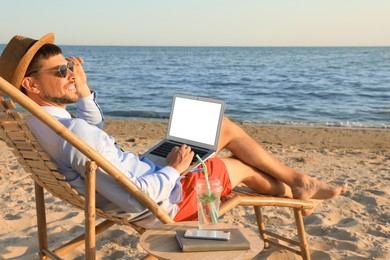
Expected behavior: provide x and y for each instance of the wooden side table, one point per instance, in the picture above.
(161, 242)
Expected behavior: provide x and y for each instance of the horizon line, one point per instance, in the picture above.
(230, 46)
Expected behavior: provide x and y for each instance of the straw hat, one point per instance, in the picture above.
(18, 54)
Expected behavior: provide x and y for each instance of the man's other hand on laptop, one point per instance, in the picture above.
(180, 158)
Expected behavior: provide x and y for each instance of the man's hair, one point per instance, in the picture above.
(45, 52)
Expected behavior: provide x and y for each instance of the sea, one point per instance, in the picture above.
(309, 86)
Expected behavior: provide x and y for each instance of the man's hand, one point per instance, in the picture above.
(180, 158)
(81, 78)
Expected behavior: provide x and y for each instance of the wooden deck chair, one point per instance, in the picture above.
(46, 176)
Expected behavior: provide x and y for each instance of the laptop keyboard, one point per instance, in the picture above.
(164, 149)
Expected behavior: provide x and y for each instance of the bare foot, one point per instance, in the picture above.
(309, 188)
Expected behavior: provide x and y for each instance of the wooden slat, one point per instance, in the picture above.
(58, 175)
(12, 142)
(55, 174)
(37, 146)
(28, 144)
(51, 165)
(47, 178)
(2, 108)
(30, 135)
(46, 175)
(63, 194)
(41, 164)
(33, 154)
(290, 241)
(36, 164)
(11, 126)
(44, 156)
(24, 127)
(4, 117)
(59, 192)
(283, 246)
(72, 192)
(54, 188)
(30, 154)
(47, 171)
(9, 104)
(66, 185)
(17, 116)
(74, 199)
(17, 136)
(24, 145)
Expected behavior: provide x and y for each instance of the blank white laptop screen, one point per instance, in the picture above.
(195, 120)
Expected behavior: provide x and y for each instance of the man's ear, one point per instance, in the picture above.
(29, 84)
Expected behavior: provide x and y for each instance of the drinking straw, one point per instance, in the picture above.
(214, 214)
(197, 170)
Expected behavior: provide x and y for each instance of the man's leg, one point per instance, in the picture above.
(240, 172)
(251, 153)
(244, 148)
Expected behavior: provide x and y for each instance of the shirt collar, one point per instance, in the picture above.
(57, 112)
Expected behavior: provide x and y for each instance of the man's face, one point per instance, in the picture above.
(54, 89)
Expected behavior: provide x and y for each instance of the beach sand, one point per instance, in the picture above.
(355, 225)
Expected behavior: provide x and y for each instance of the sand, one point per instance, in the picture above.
(355, 225)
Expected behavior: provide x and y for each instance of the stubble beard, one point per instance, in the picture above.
(64, 100)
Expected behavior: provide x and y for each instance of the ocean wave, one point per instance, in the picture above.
(137, 114)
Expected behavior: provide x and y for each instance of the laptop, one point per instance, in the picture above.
(195, 121)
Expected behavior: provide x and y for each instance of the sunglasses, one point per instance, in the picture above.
(62, 70)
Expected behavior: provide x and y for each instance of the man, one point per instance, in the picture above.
(40, 70)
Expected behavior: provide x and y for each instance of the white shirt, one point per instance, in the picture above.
(160, 184)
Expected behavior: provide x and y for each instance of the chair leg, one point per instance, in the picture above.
(41, 219)
(301, 234)
(260, 225)
(90, 210)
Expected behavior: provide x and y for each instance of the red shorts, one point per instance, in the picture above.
(188, 207)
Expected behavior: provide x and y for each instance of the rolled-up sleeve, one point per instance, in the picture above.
(161, 185)
(89, 110)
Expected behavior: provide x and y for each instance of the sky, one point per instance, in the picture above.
(200, 22)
